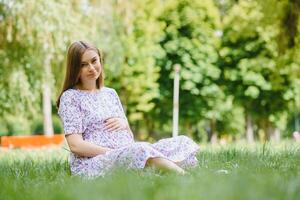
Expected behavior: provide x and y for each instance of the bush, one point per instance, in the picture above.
(15, 125)
(38, 126)
(3, 129)
(57, 125)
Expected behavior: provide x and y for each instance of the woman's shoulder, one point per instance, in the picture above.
(108, 89)
(68, 94)
(67, 98)
(70, 91)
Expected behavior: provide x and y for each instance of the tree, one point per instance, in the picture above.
(190, 40)
(130, 50)
(254, 70)
(34, 47)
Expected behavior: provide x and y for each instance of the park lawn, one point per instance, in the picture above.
(237, 171)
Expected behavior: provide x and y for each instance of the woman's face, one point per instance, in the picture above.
(90, 66)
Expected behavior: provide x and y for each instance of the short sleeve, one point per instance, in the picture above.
(70, 113)
(120, 107)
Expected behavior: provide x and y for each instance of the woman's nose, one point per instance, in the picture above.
(91, 66)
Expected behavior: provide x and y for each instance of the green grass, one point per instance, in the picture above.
(270, 171)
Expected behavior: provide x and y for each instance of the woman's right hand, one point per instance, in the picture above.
(115, 124)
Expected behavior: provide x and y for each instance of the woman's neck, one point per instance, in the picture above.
(90, 86)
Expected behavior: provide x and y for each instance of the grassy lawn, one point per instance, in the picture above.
(270, 171)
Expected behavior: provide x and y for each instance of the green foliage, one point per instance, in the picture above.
(29, 43)
(254, 70)
(233, 122)
(190, 40)
(33, 49)
(37, 125)
(131, 50)
(15, 125)
(236, 57)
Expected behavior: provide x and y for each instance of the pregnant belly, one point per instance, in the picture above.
(113, 139)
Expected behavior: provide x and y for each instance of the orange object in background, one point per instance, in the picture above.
(31, 141)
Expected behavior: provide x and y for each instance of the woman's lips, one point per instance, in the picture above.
(93, 74)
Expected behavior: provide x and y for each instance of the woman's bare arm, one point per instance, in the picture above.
(83, 148)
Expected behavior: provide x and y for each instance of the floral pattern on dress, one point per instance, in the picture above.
(84, 113)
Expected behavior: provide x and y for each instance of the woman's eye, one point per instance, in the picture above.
(94, 61)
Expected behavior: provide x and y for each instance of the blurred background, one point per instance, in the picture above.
(239, 59)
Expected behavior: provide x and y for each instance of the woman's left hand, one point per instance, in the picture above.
(115, 124)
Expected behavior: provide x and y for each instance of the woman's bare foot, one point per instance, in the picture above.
(165, 165)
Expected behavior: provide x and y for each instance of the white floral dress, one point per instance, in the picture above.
(84, 113)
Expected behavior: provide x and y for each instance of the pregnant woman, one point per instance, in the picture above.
(97, 130)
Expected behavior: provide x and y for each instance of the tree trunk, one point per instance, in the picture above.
(275, 135)
(265, 126)
(249, 129)
(213, 132)
(47, 106)
(267, 129)
(272, 132)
